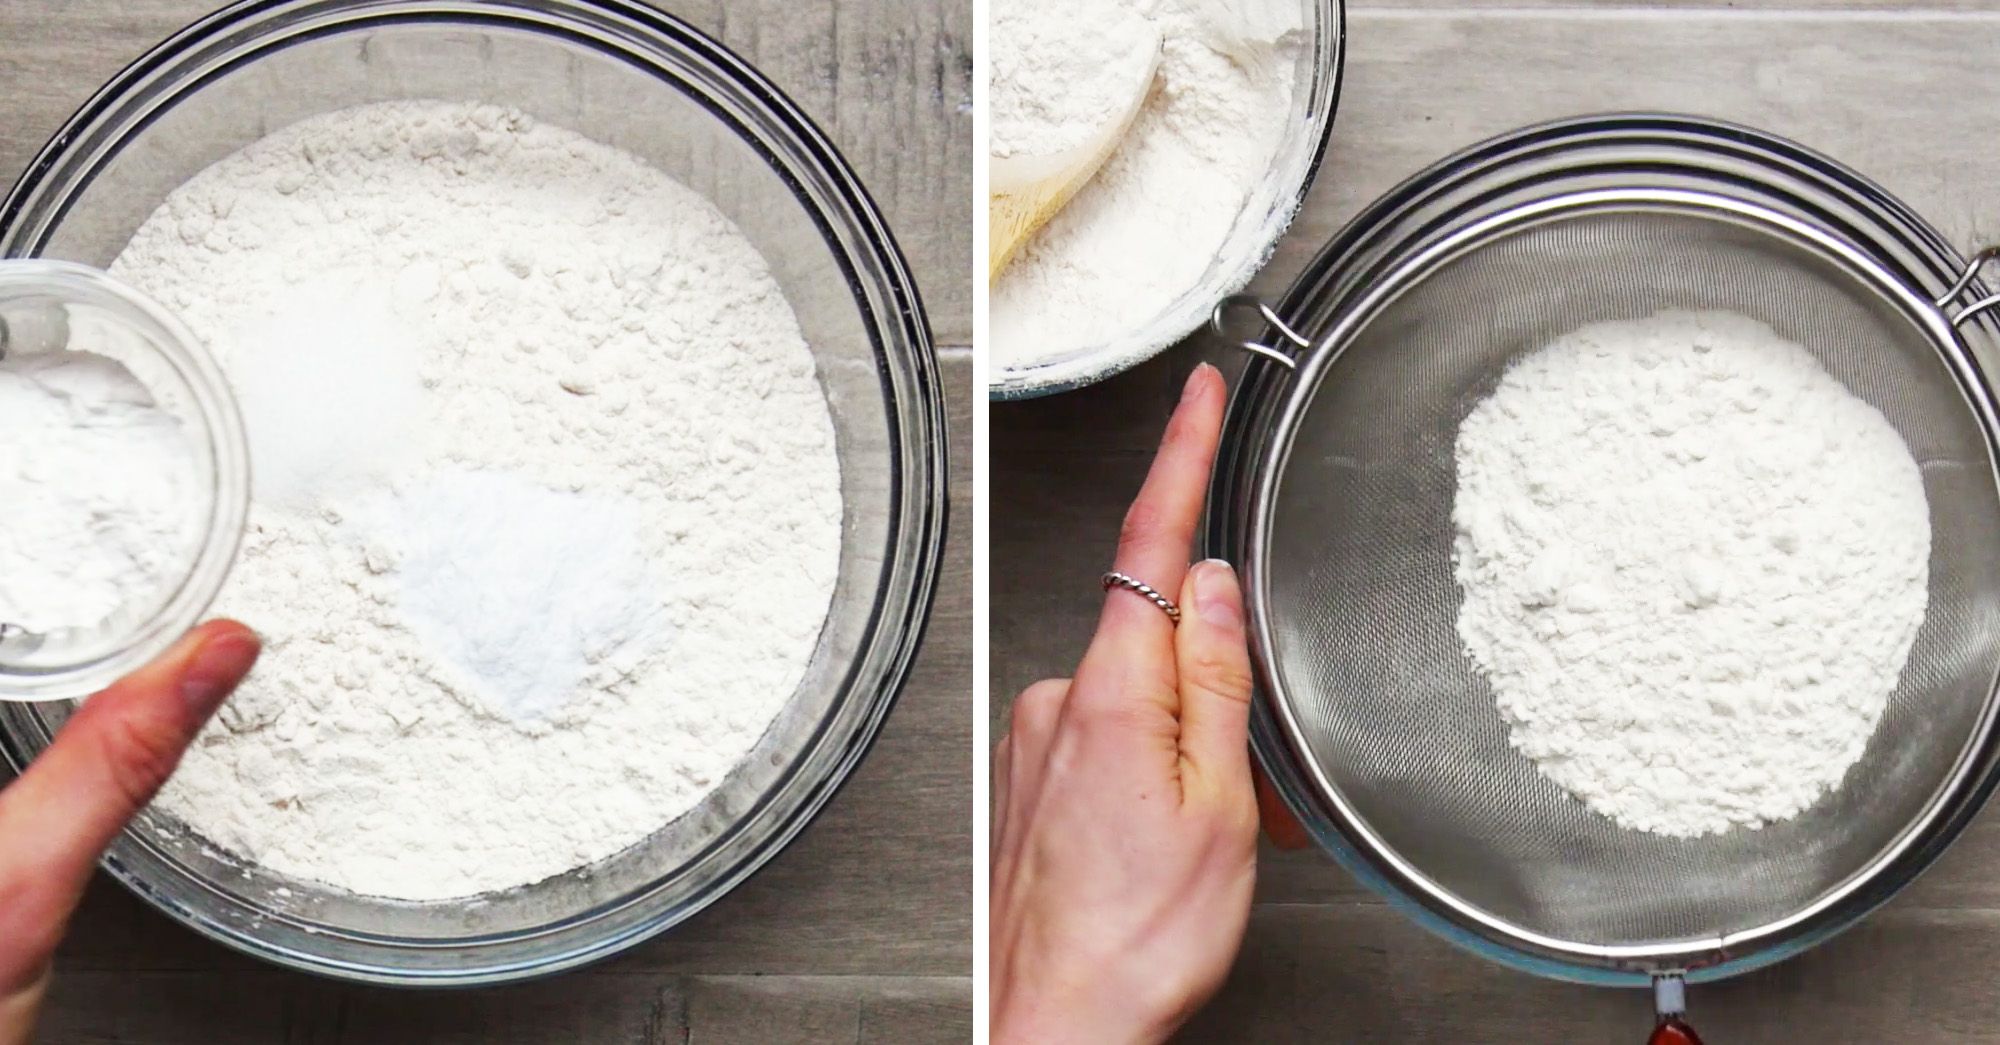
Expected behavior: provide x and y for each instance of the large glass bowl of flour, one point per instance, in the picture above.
(624, 77)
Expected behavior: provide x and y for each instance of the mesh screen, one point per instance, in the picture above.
(1362, 599)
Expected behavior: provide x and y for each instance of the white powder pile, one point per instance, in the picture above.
(482, 546)
(1144, 230)
(329, 382)
(100, 493)
(1693, 565)
(1063, 75)
(525, 618)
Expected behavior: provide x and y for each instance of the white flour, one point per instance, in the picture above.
(335, 397)
(1144, 230)
(533, 622)
(100, 493)
(480, 546)
(1693, 565)
(1063, 74)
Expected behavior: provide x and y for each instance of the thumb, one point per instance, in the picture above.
(117, 750)
(1213, 656)
(103, 767)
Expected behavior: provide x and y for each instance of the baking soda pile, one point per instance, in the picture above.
(1693, 565)
(535, 428)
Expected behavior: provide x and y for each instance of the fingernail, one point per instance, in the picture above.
(1215, 594)
(1196, 381)
(216, 668)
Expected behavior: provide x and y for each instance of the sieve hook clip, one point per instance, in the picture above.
(1973, 310)
(1670, 1005)
(1218, 322)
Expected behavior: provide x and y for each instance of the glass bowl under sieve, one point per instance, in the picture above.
(623, 74)
(1263, 220)
(54, 306)
(1400, 326)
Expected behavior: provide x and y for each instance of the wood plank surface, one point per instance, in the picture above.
(861, 929)
(1318, 974)
(1911, 98)
(263, 1007)
(889, 80)
(1673, 8)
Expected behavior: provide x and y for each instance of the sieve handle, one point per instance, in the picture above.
(1958, 289)
(1673, 1031)
(1670, 1002)
(1246, 305)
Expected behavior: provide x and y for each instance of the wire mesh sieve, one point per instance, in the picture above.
(1348, 559)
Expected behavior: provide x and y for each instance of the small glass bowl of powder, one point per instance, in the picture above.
(124, 484)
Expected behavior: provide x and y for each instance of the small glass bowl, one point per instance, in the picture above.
(1262, 222)
(57, 306)
(626, 75)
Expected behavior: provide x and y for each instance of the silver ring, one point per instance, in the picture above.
(1114, 579)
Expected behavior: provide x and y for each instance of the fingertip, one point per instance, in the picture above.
(224, 626)
(1193, 431)
(224, 653)
(1204, 379)
(1216, 595)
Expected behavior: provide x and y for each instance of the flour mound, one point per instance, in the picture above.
(441, 714)
(1063, 75)
(1148, 226)
(1693, 565)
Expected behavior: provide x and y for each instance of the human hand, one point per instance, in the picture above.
(106, 763)
(1125, 826)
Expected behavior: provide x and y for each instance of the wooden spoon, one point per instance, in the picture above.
(1026, 191)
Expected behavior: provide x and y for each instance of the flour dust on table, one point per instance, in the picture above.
(1693, 565)
(535, 427)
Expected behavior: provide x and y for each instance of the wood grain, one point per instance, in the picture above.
(260, 1007)
(889, 80)
(861, 929)
(1908, 101)
(1326, 961)
(1886, 8)
(1319, 974)
(826, 1009)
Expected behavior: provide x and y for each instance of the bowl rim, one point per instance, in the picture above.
(884, 292)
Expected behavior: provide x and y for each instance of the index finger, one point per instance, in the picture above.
(1135, 640)
(102, 769)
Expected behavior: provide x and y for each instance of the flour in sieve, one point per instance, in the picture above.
(590, 339)
(1693, 565)
(1150, 223)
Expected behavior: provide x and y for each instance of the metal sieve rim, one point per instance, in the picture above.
(1890, 868)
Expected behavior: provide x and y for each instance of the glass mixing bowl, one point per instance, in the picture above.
(1262, 222)
(629, 76)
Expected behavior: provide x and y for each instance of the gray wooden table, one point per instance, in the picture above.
(1910, 97)
(861, 930)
